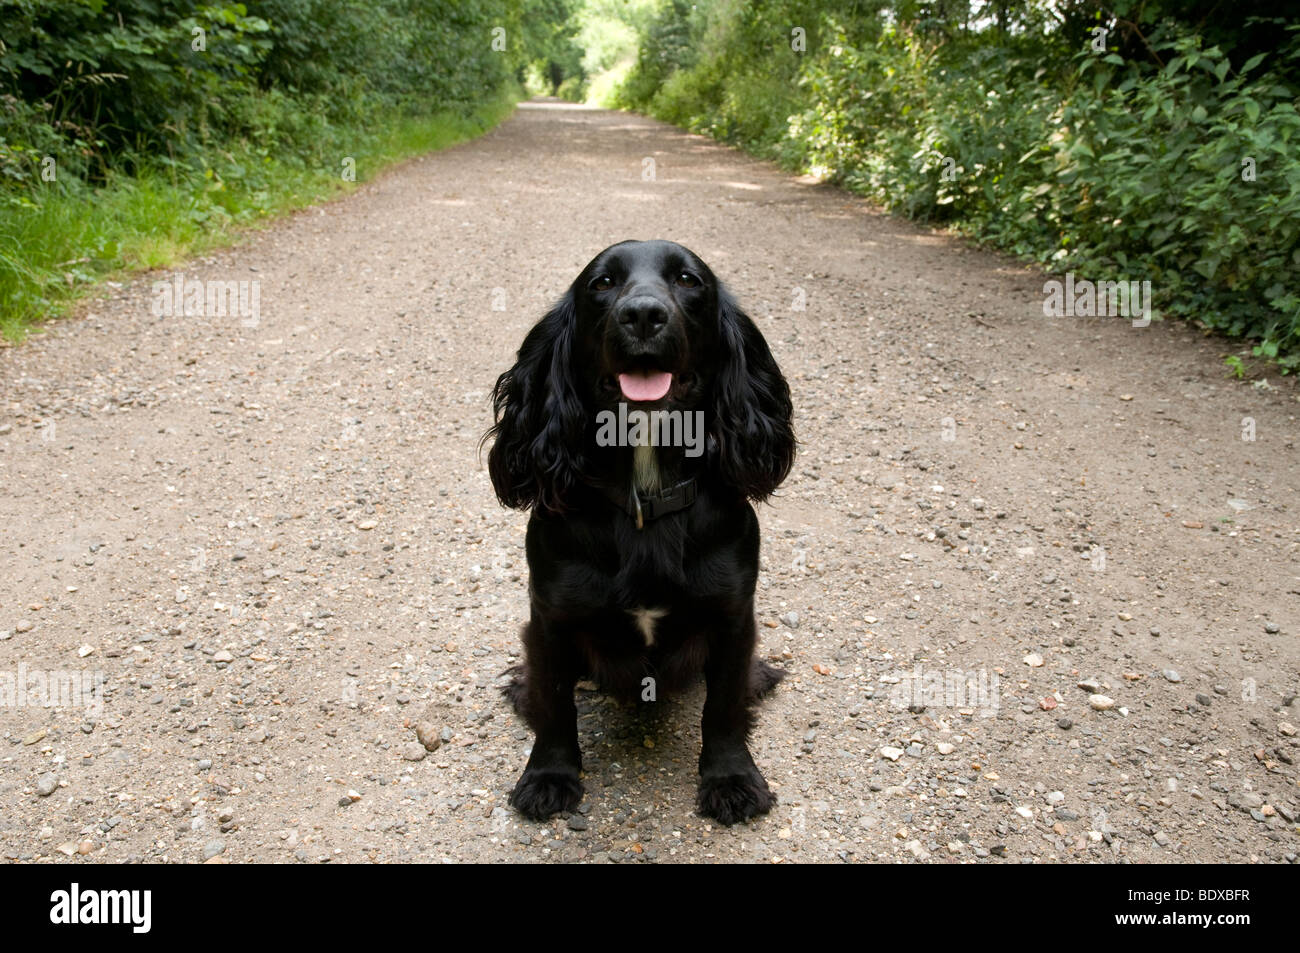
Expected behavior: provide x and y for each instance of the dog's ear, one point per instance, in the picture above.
(537, 444)
(751, 407)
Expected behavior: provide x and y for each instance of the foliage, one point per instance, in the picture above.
(113, 111)
(1161, 156)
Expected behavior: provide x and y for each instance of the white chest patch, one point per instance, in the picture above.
(645, 621)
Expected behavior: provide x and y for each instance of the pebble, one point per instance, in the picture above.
(890, 752)
(223, 656)
(791, 619)
(429, 736)
(945, 747)
(1065, 724)
(413, 751)
(1171, 675)
(1034, 660)
(47, 785)
(212, 848)
(1101, 702)
(1203, 699)
(1272, 628)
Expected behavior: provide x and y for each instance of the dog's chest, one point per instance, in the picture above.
(645, 621)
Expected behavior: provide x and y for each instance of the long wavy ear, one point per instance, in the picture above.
(537, 439)
(752, 410)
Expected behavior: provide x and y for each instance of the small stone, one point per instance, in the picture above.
(212, 848)
(1101, 702)
(223, 656)
(1272, 628)
(1065, 724)
(413, 751)
(367, 524)
(1025, 812)
(1162, 838)
(791, 619)
(23, 626)
(428, 734)
(47, 784)
(85, 650)
(577, 822)
(1203, 699)
(890, 752)
(945, 747)
(1286, 728)
(1034, 660)
(1090, 685)
(34, 737)
(1171, 675)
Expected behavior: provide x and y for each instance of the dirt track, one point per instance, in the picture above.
(276, 543)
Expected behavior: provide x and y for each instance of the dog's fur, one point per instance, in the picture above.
(676, 597)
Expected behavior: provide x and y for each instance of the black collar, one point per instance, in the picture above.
(650, 506)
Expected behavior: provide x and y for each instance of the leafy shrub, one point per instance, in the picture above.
(1124, 164)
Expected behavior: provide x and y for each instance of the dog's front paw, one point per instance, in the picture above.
(734, 797)
(541, 793)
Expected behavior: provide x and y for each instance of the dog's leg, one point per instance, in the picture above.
(550, 782)
(731, 787)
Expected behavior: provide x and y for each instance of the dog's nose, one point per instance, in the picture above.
(643, 316)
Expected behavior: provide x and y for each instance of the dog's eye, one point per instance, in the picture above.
(687, 280)
(602, 283)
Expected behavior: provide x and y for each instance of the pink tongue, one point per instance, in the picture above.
(652, 386)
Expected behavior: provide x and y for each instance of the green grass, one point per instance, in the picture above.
(61, 241)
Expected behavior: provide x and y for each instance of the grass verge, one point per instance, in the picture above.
(61, 241)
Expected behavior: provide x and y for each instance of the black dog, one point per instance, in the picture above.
(642, 559)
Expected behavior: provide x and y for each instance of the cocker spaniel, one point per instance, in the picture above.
(644, 413)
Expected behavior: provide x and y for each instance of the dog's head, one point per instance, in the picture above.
(647, 324)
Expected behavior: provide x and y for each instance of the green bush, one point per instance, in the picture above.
(132, 130)
(1119, 164)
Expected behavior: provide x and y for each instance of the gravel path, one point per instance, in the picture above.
(276, 543)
